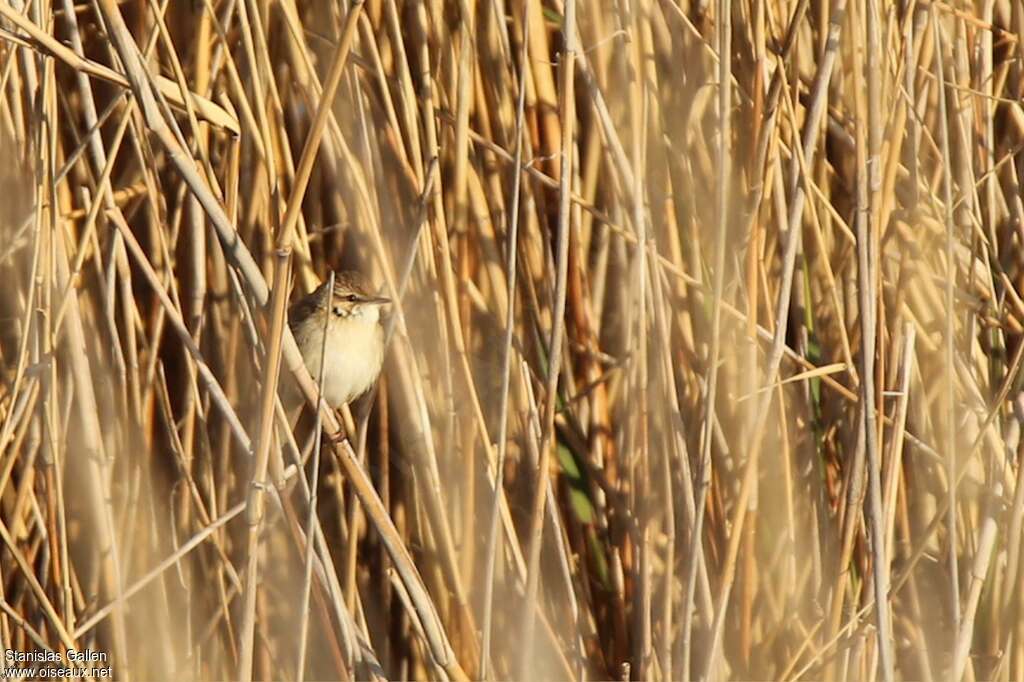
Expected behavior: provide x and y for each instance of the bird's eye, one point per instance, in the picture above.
(351, 298)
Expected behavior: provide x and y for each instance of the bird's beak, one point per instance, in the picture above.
(376, 300)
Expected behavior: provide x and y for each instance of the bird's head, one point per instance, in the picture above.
(352, 299)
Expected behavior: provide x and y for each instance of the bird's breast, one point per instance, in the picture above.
(353, 354)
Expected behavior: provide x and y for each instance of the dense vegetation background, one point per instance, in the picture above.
(724, 299)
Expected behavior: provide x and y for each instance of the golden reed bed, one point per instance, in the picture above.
(703, 359)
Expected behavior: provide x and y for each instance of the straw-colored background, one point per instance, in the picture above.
(751, 303)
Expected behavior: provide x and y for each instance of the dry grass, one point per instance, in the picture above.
(762, 342)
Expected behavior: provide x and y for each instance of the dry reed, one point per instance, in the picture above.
(624, 430)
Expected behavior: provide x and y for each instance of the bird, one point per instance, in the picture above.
(354, 351)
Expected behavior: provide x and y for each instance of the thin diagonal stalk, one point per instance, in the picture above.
(511, 271)
(554, 349)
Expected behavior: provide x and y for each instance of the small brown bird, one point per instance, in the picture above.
(354, 351)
